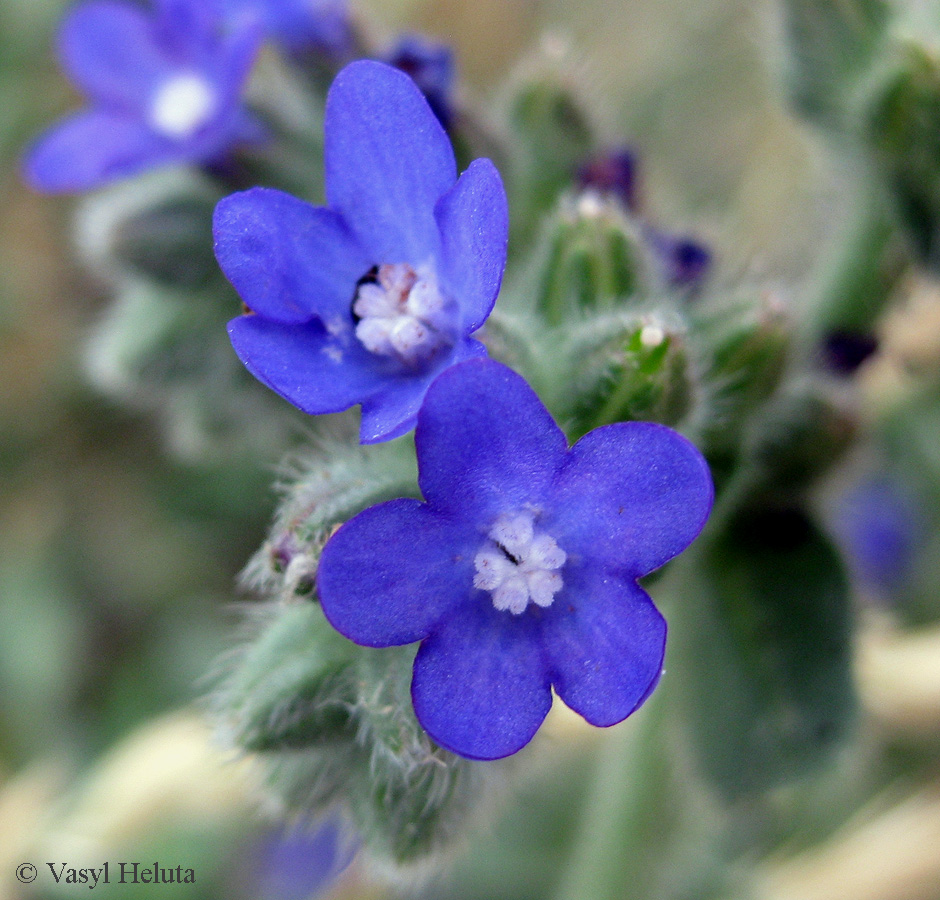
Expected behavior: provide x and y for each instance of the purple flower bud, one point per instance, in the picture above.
(431, 66)
(844, 351)
(613, 172)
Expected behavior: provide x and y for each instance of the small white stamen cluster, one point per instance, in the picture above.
(518, 565)
(401, 314)
(182, 105)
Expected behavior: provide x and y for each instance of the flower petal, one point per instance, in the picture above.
(314, 370)
(486, 445)
(233, 58)
(387, 162)
(391, 573)
(92, 148)
(393, 411)
(288, 260)
(631, 496)
(474, 221)
(605, 641)
(111, 51)
(480, 686)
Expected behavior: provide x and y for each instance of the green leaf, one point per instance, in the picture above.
(766, 651)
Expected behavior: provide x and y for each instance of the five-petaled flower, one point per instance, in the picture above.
(519, 571)
(368, 299)
(165, 87)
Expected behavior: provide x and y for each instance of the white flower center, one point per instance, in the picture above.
(401, 313)
(181, 105)
(518, 565)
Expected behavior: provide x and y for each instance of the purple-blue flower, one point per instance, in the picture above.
(518, 573)
(368, 299)
(881, 528)
(301, 25)
(164, 87)
(298, 863)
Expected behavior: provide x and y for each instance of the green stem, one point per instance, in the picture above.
(626, 816)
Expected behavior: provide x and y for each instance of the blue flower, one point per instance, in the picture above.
(299, 864)
(368, 299)
(165, 87)
(301, 25)
(881, 528)
(519, 571)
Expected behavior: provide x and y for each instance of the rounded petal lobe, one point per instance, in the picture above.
(605, 642)
(304, 363)
(391, 573)
(289, 261)
(93, 148)
(486, 445)
(474, 221)
(481, 686)
(387, 160)
(631, 496)
(393, 411)
(112, 52)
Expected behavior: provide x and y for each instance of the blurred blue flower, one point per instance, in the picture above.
(519, 571)
(368, 299)
(301, 25)
(165, 87)
(880, 527)
(431, 66)
(298, 863)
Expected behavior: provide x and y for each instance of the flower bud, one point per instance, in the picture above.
(291, 687)
(593, 258)
(328, 486)
(626, 369)
(551, 136)
(903, 122)
(158, 228)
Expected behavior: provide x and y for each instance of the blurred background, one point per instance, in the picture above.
(119, 558)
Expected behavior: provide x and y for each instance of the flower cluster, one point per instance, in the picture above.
(518, 572)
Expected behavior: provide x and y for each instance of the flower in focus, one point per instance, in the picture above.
(519, 571)
(165, 87)
(301, 25)
(431, 66)
(368, 299)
